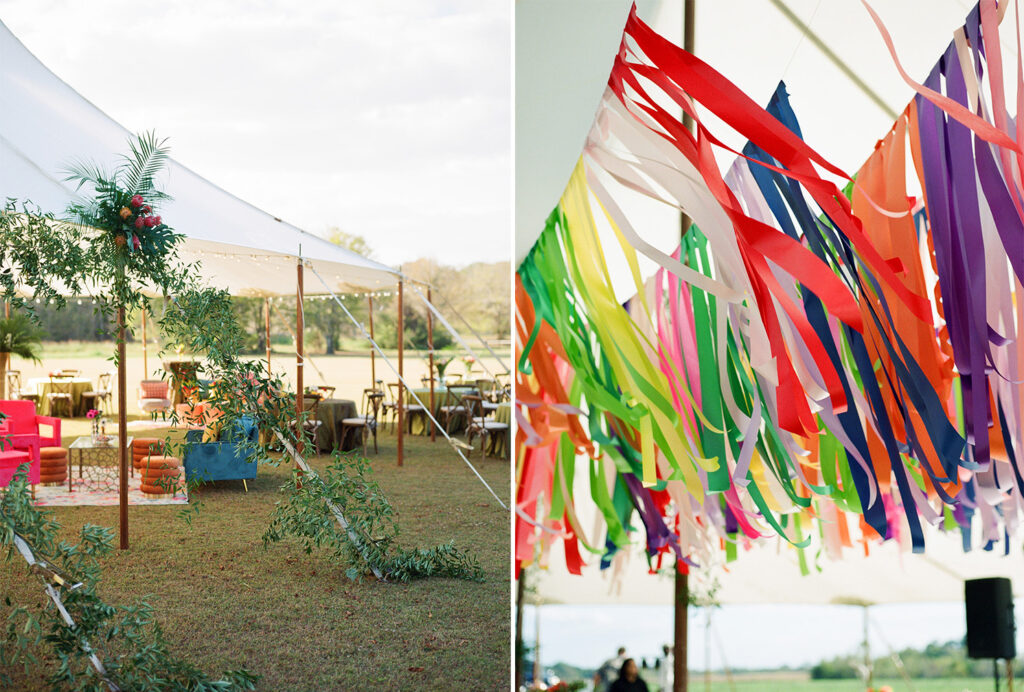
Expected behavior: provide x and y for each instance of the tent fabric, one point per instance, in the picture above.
(771, 574)
(45, 125)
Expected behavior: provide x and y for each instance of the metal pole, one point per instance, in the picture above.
(867, 652)
(707, 649)
(401, 377)
(373, 354)
(536, 646)
(430, 374)
(680, 680)
(122, 432)
(266, 328)
(299, 358)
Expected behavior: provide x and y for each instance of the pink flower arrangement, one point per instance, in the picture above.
(134, 223)
(92, 413)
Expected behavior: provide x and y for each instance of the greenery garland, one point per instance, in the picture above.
(370, 540)
(127, 640)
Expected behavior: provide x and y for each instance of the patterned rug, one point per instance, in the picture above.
(58, 496)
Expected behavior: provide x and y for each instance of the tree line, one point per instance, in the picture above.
(937, 660)
(478, 293)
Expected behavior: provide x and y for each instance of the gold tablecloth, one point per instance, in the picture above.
(42, 386)
(499, 441)
(443, 396)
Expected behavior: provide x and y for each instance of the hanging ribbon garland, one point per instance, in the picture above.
(806, 354)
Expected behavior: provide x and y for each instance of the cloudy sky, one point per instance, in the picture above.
(388, 119)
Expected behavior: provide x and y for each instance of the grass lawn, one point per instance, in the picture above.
(225, 602)
(934, 685)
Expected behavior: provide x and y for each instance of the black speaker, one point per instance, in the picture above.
(990, 628)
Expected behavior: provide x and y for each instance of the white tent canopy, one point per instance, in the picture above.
(45, 124)
(770, 574)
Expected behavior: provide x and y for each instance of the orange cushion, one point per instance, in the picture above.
(153, 389)
(52, 453)
(148, 475)
(156, 462)
(145, 442)
(156, 489)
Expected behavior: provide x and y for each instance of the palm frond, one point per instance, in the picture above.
(20, 336)
(83, 172)
(148, 156)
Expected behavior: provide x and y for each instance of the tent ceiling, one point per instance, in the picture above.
(770, 574)
(565, 49)
(45, 124)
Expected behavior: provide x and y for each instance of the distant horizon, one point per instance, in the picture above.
(752, 637)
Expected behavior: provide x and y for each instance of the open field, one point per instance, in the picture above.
(934, 685)
(350, 373)
(225, 602)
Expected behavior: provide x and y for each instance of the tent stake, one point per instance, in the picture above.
(401, 375)
(430, 372)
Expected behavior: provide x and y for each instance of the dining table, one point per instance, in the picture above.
(330, 413)
(498, 444)
(44, 385)
(444, 395)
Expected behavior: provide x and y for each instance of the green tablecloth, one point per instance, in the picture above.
(330, 413)
(498, 445)
(443, 396)
(42, 386)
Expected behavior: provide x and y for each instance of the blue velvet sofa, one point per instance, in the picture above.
(224, 459)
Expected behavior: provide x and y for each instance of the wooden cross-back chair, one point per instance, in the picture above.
(478, 424)
(366, 424)
(59, 396)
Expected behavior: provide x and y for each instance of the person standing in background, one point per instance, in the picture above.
(629, 679)
(665, 669)
(608, 671)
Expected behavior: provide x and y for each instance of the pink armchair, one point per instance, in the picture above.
(24, 431)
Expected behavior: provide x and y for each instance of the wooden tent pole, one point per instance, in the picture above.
(680, 672)
(266, 328)
(430, 374)
(145, 351)
(299, 358)
(122, 432)
(373, 351)
(520, 596)
(401, 376)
